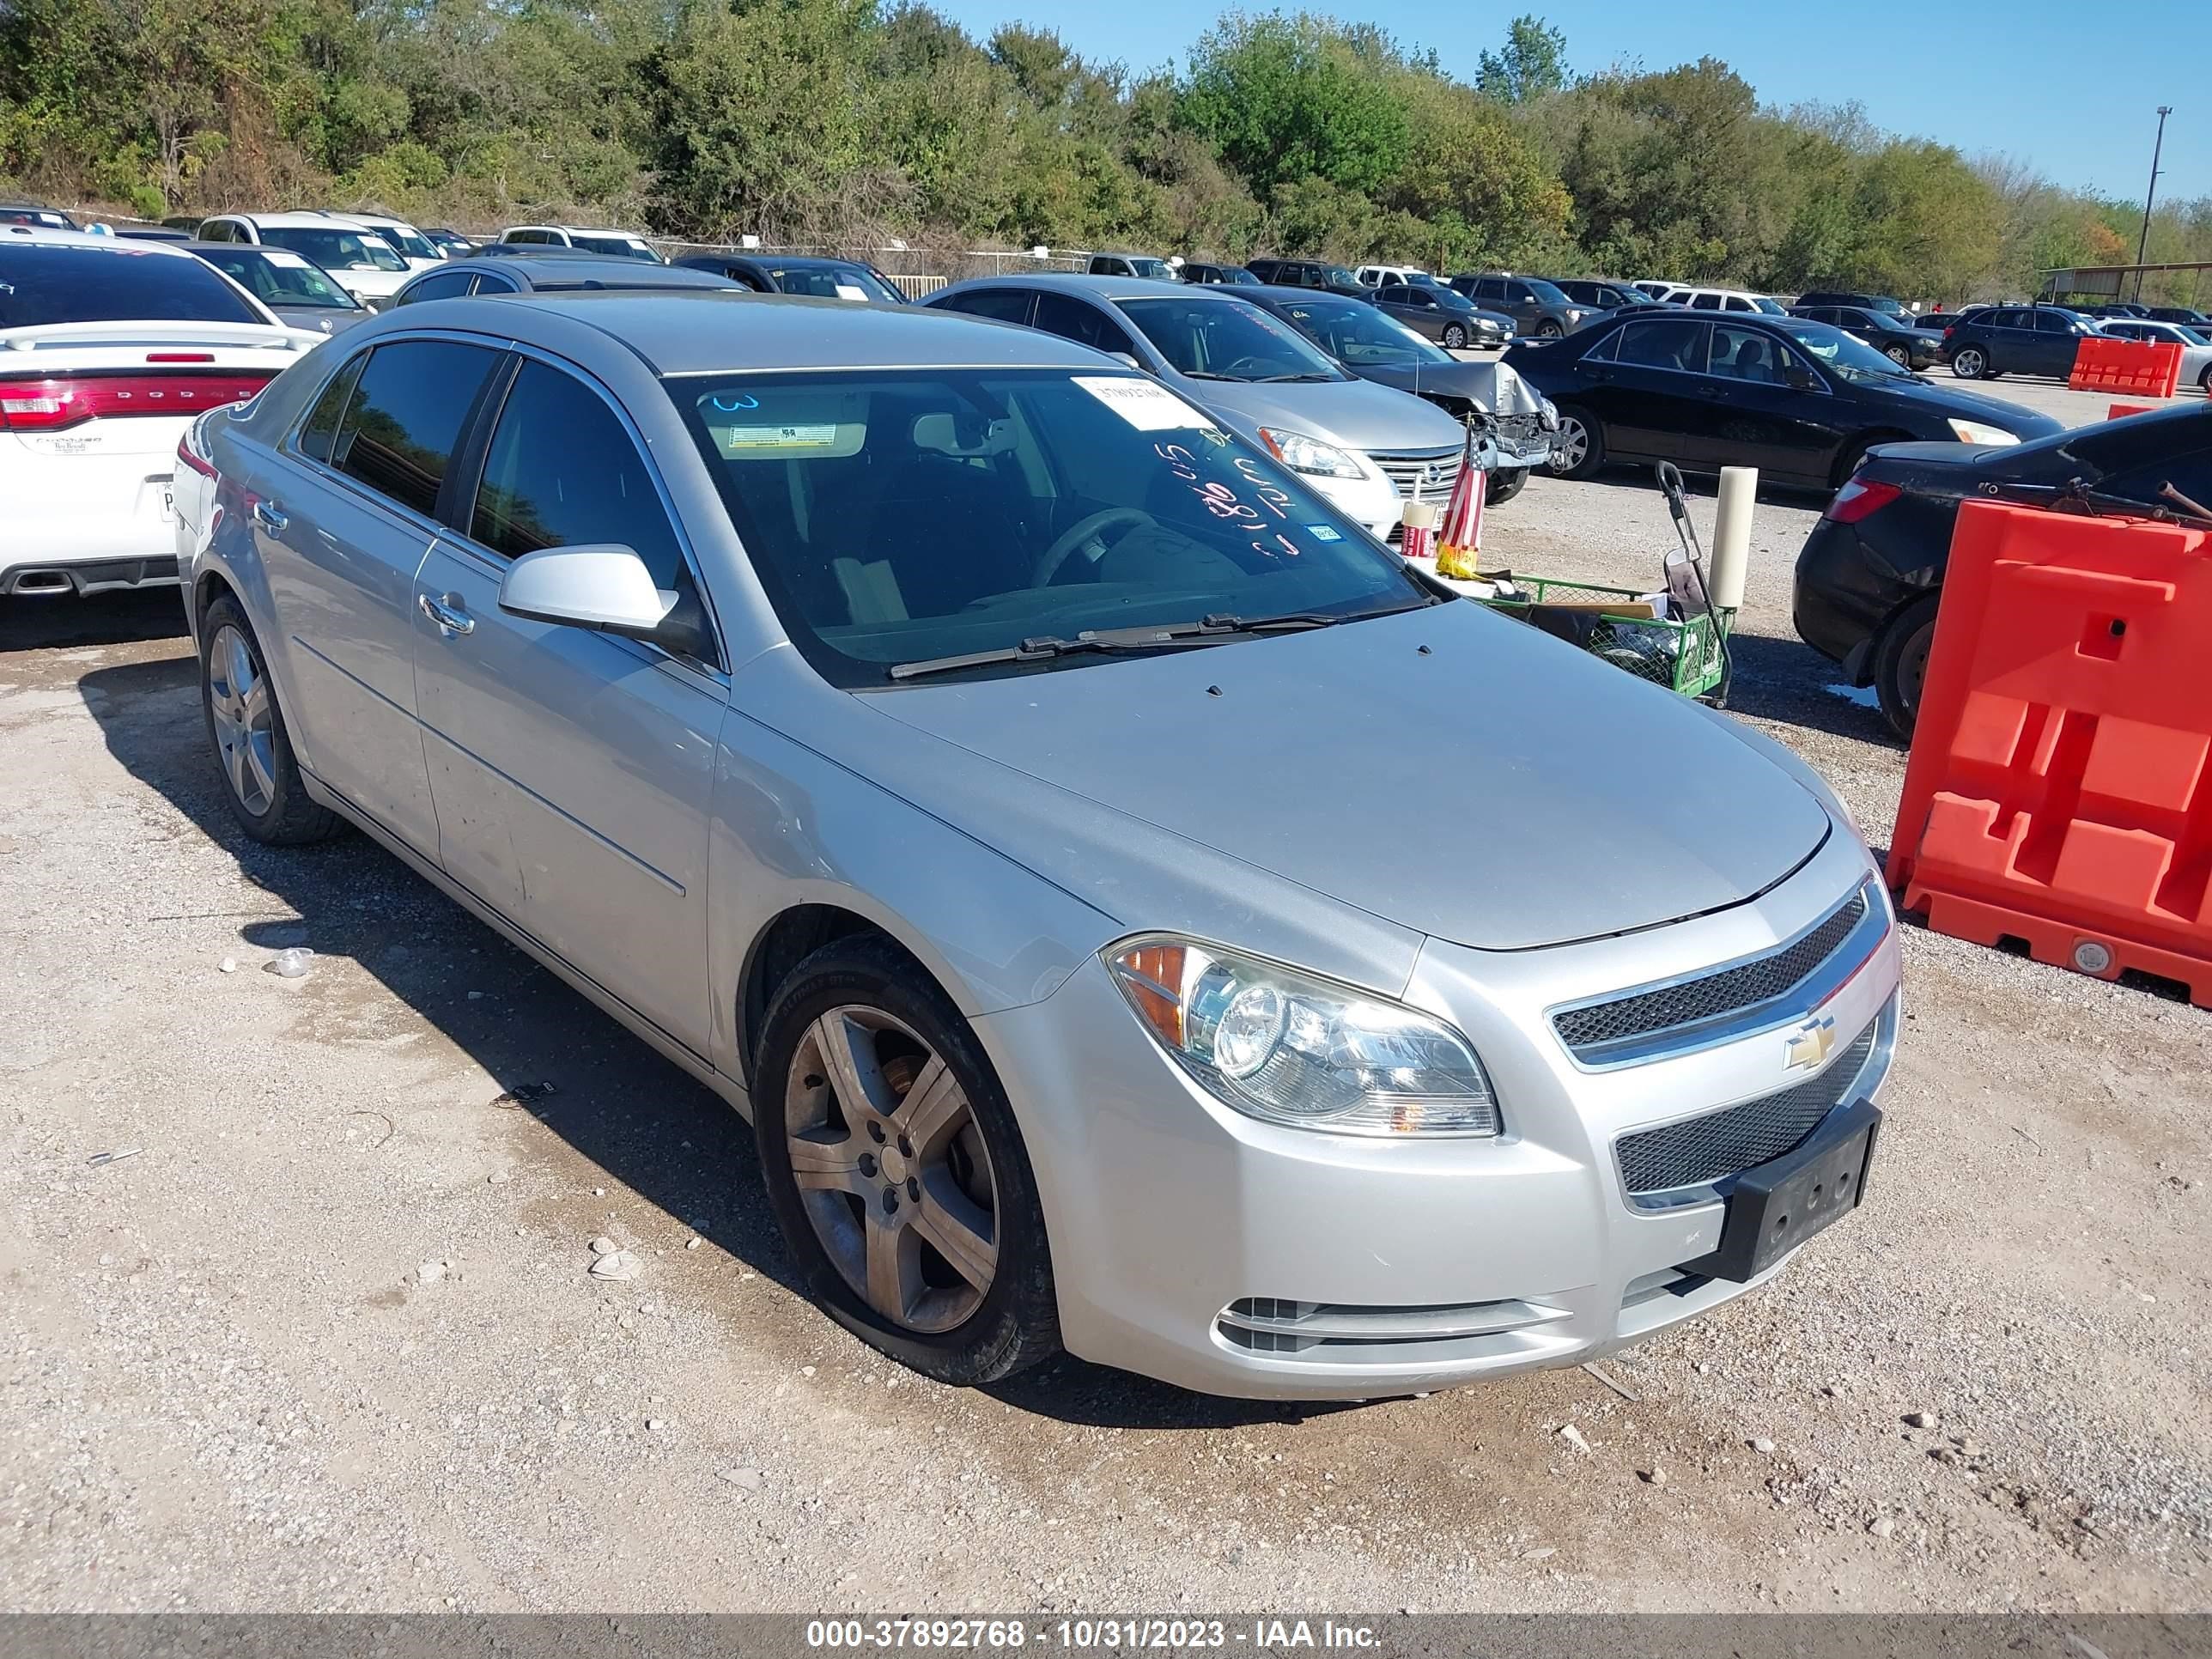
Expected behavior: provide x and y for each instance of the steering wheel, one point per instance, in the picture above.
(1249, 367)
(1049, 562)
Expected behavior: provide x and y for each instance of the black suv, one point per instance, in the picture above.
(2016, 340)
(1309, 273)
(1881, 302)
(1535, 305)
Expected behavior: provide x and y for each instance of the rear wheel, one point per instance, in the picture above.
(1578, 447)
(1969, 362)
(896, 1169)
(1900, 663)
(246, 728)
(1455, 336)
(1548, 330)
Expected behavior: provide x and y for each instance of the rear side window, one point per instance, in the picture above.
(561, 471)
(445, 285)
(406, 415)
(40, 283)
(1664, 343)
(1006, 305)
(1705, 302)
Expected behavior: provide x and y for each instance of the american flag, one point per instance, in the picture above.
(1460, 536)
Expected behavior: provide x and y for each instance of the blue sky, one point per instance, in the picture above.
(2072, 87)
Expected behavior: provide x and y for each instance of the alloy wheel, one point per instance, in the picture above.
(892, 1168)
(1548, 330)
(1455, 336)
(245, 729)
(1900, 355)
(1966, 363)
(1569, 445)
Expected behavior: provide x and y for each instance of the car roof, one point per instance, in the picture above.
(581, 230)
(1099, 287)
(690, 333)
(565, 266)
(293, 221)
(43, 235)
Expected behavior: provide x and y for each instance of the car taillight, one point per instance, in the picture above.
(1950, 329)
(55, 405)
(189, 456)
(1858, 498)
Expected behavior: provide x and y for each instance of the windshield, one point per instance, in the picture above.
(1340, 277)
(1158, 269)
(833, 283)
(45, 218)
(903, 516)
(622, 247)
(409, 242)
(277, 276)
(1846, 355)
(336, 250)
(1771, 307)
(2192, 336)
(1225, 340)
(1354, 333)
(1238, 277)
(41, 284)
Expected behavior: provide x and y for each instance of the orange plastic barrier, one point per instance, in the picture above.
(2141, 368)
(2118, 409)
(2058, 790)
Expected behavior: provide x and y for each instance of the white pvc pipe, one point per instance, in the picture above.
(1732, 536)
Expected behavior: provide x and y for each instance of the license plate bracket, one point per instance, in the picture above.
(1775, 1206)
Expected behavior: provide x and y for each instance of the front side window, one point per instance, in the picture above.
(411, 244)
(1005, 305)
(1216, 340)
(43, 283)
(406, 416)
(336, 250)
(561, 471)
(1745, 354)
(1081, 322)
(898, 517)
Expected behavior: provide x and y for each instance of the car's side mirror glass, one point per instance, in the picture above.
(602, 586)
(1800, 377)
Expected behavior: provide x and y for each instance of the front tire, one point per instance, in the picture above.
(1900, 663)
(245, 729)
(1901, 356)
(1970, 363)
(1549, 330)
(1578, 447)
(1504, 486)
(896, 1171)
(1455, 336)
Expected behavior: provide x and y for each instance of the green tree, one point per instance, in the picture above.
(1286, 99)
(1532, 63)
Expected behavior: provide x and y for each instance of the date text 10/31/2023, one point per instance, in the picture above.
(987, 1635)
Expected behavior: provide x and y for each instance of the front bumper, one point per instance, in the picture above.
(1371, 501)
(1226, 1255)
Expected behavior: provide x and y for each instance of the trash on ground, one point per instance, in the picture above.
(99, 1158)
(618, 1265)
(291, 963)
(523, 1093)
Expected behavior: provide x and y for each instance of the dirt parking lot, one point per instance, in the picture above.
(327, 1338)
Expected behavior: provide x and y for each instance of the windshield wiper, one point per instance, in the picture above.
(1279, 380)
(1219, 625)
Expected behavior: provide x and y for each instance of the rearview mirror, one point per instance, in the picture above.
(603, 586)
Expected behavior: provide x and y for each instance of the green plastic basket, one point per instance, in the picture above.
(1689, 656)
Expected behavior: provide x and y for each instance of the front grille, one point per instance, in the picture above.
(1692, 1002)
(1406, 472)
(1700, 1151)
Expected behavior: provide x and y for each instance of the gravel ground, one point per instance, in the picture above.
(328, 1339)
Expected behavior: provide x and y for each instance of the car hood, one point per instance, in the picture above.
(1448, 770)
(1942, 400)
(1353, 414)
(1495, 387)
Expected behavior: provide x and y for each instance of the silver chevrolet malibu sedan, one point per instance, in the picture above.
(1137, 915)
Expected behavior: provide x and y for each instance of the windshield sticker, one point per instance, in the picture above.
(848, 291)
(277, 255)
(1144, 405)
(819, 439)
(1322, 532)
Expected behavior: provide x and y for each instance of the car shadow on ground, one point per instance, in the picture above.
(56, 624)
(1788, 682)
(547, 1051)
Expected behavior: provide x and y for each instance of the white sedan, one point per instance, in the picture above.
(109, 350)
(2195, 347)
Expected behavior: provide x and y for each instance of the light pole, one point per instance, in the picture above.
(2150, 195)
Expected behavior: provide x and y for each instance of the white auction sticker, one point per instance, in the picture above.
(277, 255)
(850, 291)
(1143, 404)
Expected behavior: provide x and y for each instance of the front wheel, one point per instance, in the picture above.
(1578, 447)
(1901, 356)
(1455, 336)
(1504, 486)
(1970, 363)
(896, 1171)
(1900, 663)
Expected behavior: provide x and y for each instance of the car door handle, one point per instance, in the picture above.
(450, 622)
(270, 517)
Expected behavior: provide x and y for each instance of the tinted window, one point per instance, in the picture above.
(1396, 293)
(561, 471)
(1707, 301)
(618, 247)
(2191, 473)
(1076, 320)
(217, 231)
(1007, 305)
(834, 282)
(1664, 343)
(2053, 322)
(1489, 287)
(322, 423)
(445, 285)
(1736, 303)
(405, 415)
(40, 282)
(1743, 354)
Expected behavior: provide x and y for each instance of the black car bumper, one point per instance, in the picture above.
(1843, 596)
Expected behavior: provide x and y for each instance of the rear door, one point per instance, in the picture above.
(572, 770)
(1651, 397)
(341, 532)
(2056, 340)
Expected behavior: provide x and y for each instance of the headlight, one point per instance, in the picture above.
(1487, 325)
(1309, 455)
(1287, 1047)
(1973, 431)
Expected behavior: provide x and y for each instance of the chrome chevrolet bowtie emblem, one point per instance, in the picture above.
(1809, 1045)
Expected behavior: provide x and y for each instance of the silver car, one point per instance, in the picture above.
(1365, 447)
(1080, 852)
